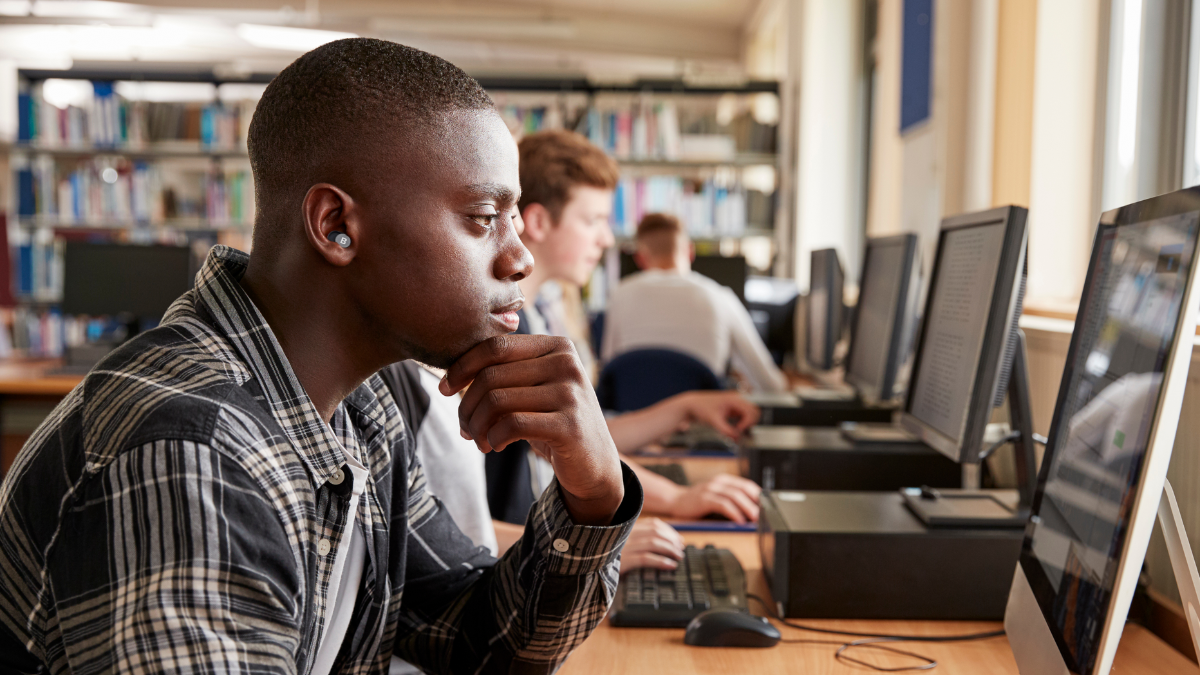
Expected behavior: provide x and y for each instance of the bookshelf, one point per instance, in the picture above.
(114, 165)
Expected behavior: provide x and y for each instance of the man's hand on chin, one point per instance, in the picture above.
(533, 387)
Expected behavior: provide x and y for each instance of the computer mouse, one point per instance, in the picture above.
(730, 628)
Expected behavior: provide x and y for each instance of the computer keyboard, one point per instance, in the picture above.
(701, 438)
(707, 578)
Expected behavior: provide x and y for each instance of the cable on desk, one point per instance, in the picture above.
(872, 640)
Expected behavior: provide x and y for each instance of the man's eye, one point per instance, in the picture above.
(486, 220)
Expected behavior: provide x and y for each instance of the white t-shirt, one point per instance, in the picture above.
(454, 466)
(347, 568)
(692, 314)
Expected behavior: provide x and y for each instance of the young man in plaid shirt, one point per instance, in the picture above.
(235, 490)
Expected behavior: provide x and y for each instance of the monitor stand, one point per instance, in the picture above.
(1182, 561)
(990, 508)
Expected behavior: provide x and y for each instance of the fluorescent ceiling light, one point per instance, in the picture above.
(288, 38)
(92, 9)
(464, 27)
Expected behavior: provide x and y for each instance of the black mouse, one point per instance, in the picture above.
(730, 628)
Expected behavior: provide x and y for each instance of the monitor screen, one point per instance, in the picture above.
(1125, 330)
(824, 315)
(108, 279)
(878, 319)
(956, 321)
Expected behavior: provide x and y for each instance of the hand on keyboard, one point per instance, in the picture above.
(734, 497)
(726, 411)
(652, 543)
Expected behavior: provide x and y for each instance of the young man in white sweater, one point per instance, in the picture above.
(668, 305)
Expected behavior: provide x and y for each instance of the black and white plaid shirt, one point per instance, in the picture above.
(176, 512)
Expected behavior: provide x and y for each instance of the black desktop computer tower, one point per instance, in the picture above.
(799, 458)
(863, 555)
(824, 413)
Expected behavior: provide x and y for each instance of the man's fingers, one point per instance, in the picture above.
(723, 505)
(528, 373)
(531, 426)
(724, 428)
(493, 351)
(748, 416)
(654, 544)
(633, 561)
(500, 402)
(744, 503)
(666, 531)
(743, 485)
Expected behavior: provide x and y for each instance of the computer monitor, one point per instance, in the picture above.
(824, 308)
(975, 291)
(729, 271)
(883, 317)
(1110, 439)
(112, 279)
(771, 302)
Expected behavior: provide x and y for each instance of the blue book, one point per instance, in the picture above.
(26, 195)
(25, 269)
(24, 118)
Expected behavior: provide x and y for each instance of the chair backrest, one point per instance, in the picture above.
(643, 377)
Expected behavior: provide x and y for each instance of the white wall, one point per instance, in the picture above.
(828, 189)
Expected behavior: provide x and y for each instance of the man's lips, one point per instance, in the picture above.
(507, 314)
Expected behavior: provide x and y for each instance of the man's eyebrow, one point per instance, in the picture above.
(494, 191)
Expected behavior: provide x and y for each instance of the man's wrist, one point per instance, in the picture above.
(597, 512)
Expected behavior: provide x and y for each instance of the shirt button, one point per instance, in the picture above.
(323, 547)
(561, 545)
(337, 477)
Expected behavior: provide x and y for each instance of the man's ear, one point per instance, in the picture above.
(640, 259)
(537, 223)
(691, 251)
(328, 209)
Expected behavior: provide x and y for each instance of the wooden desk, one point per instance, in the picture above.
(660, 651)
(32, 378)
(28, 381)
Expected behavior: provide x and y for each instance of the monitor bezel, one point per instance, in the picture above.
(1001, 312)
(885, 389)
(825, 360)
(1159, 444)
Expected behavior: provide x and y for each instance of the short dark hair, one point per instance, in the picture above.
(340, 98)
(659, 232)
(553, 162)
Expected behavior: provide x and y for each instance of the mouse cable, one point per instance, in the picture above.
(867, 643)
(873, 641)
(879, 636)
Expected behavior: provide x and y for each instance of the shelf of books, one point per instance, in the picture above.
(164, 160)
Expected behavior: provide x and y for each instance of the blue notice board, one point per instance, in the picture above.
(916, 69)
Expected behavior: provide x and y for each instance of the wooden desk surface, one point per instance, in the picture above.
(660, 651)
(31, 378)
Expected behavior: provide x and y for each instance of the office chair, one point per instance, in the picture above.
(643, 377)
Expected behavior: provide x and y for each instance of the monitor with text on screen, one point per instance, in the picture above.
(883, 317)
(825, 305)
(974, 294)
(1110, 439)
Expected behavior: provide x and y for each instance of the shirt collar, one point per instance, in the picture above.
(235, 317)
